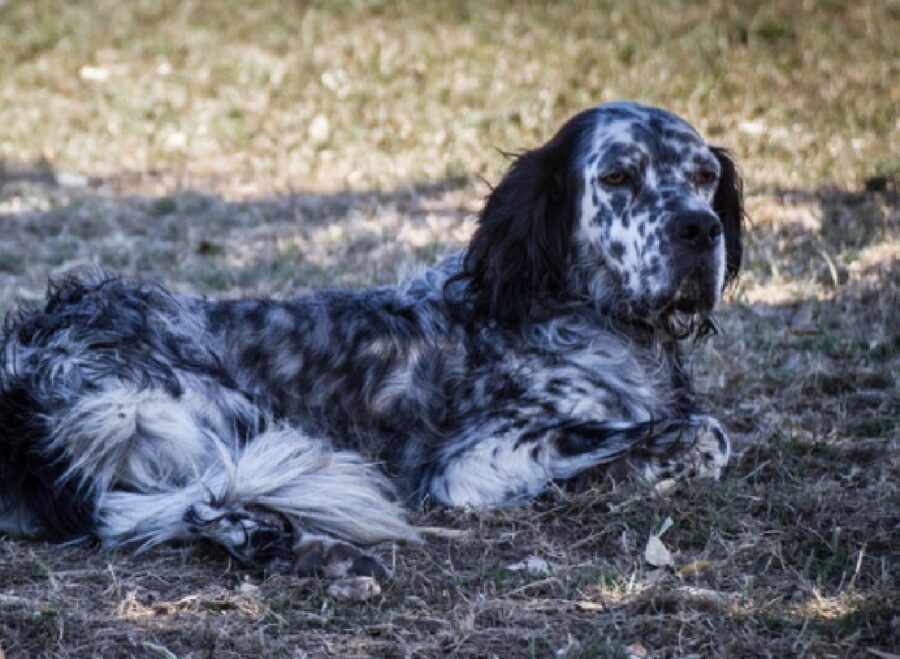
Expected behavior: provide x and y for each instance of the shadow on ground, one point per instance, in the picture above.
(207, 243)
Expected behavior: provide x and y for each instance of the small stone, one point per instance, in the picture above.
(354, 589)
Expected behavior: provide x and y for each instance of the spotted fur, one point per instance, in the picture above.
(293, 432)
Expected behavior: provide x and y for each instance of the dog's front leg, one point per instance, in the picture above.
(494, 465)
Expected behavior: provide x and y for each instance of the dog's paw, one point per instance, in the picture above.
(711, 451)
(703, 451)
(268, 542)
(319, 555)
(354, 589)
(256, 537)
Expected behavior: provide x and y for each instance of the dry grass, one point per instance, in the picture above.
(180, 141)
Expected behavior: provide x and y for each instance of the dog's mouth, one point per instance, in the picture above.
(696, 293)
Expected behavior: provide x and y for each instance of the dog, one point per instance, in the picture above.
(295, 434)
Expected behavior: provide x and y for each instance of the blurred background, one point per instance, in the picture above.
(269, 147)
(372, 113)
(289, 94)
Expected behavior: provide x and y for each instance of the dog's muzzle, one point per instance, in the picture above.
(695, 236)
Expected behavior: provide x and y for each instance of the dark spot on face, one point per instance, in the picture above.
(618, 202)
(617, 249)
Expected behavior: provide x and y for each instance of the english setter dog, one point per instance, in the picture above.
(293, 433)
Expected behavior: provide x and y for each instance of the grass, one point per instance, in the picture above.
(267, 148)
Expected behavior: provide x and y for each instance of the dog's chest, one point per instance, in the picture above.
(603, 380)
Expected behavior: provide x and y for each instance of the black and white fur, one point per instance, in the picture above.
(294, 432)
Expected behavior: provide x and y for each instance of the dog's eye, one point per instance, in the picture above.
(616, 178)
(705, 177)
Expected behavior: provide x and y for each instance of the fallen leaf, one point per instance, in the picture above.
(694, 567)
(656, 553)
(532, 564)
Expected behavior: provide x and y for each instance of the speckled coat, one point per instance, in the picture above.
(293, 432)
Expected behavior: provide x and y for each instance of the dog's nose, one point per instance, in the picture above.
(697, 229)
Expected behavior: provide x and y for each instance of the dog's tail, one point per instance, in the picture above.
(140, 466)
(280, 472)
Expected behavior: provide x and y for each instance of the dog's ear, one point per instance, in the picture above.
(517, 260)
(728, 204)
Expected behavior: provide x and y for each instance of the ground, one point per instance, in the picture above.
(268, 148)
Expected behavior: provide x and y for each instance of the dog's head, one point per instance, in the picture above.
(626, 207)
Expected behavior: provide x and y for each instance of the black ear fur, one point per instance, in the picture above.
(728, 203)
(517, 260)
